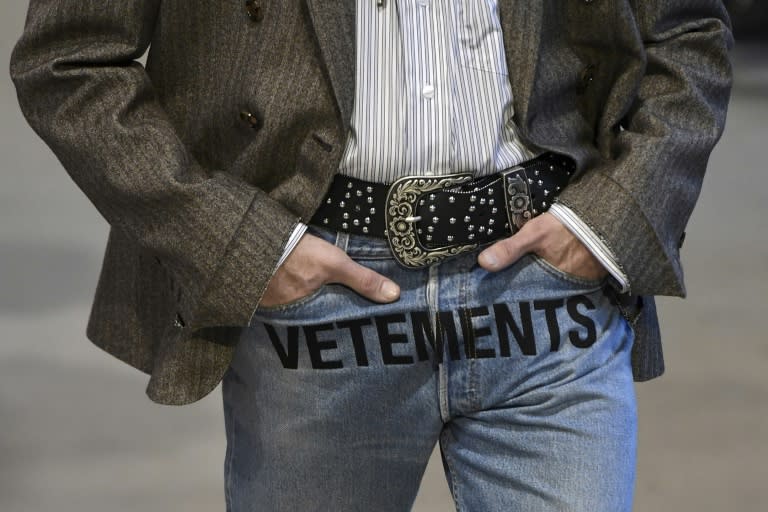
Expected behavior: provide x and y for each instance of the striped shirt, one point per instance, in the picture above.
(433, 97)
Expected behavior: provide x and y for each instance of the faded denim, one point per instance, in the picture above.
(539, 418)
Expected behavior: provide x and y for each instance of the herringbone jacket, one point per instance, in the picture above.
(203, 161)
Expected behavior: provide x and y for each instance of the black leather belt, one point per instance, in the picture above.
(429, 218)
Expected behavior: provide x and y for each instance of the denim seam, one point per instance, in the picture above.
(230, 458)
(449, 462)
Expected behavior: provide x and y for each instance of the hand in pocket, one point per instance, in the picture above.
(315, 262)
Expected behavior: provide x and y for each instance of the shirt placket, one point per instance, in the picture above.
(426, 84)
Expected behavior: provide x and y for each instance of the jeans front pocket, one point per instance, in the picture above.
(564, 276)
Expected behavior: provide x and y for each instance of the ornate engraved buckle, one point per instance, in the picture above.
(399, 217)
(517, 198)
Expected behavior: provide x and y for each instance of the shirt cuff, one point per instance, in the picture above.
(298, 232)
(592, 242)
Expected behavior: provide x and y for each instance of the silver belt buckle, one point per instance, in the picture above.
(400, 216)
(517, 197)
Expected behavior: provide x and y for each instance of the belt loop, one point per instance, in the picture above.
(342, 240)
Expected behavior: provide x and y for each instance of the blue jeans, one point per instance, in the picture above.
(334, 402)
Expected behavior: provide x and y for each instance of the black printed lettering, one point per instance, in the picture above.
(358, 341)
(550, 308)
(387, 338)
(423, 334)
(289, 355)
(472, 333)
(578, 317)
(446, 328)
(505, 321)
(316, 346)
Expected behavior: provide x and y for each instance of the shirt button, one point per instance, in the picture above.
(428, 91)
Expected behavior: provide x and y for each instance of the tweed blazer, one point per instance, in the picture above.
(204, 160)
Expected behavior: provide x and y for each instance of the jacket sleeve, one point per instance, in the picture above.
(82, 91)
(640, 199)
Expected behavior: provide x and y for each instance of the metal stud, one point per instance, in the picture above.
(540, 183)
(367, 220)
(472, 198)
(466, 219)
(543, 204)
(450, 238)
(370, 199)
(328, 200)
(471, 208)
(431, 229)
(471, 227)
(432, 197)
(530, 181)
(432, 207)
(369, 189)
(358, 193)
(506, 225)
(347, 195)
(451, 199)
(490, 231)
(546, 192)
(435, 220)
(345, 215)
(357, 208)
(452, 220)
(494, 210)
(349, 184)
(482, 200)
(365, 229)
(372, 210)
(421, 202)
(429, 238)
(491, 201)
(491, 222)
(535, 211)
(481, 229)
(418, 231)
(325, 220)
(471, 236)
(341, 204)
(356, 222)
(551, 167)
(490, 191)
(344, 225)
(536, 172)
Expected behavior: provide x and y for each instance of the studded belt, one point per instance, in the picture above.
(429, 218)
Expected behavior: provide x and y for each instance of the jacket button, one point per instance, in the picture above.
(254, 120)
(587, 76)
(254, 10)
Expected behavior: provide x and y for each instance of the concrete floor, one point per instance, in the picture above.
(78, 434)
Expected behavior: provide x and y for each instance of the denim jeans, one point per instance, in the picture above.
(335, 402)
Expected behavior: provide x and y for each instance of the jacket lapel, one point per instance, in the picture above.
(334, 24)
(521, 27)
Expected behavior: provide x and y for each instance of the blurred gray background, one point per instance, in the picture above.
(77, 432)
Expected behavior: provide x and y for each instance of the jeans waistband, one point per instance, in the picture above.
(353, 244)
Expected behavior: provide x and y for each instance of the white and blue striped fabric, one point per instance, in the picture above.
(433, 97)
(432, 92)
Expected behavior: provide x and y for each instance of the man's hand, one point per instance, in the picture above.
(547, 237)
(314, 262)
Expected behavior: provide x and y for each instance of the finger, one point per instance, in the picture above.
(507, 250)
(365, 281)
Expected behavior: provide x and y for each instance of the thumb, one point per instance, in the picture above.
(508, 250)
(365, 281)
